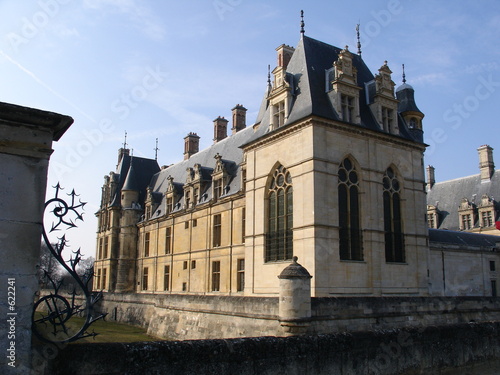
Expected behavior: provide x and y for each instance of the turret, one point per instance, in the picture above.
(130, 189)
(409, 110)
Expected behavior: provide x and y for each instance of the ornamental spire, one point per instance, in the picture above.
(359, 41)
(404, 76)
(302, 24)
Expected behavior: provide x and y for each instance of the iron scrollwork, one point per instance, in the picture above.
(58, 317)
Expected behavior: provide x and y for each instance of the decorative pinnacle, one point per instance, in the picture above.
(359, 41)
(125, 142)
(302, 24)
(404, 76)
(156, 149)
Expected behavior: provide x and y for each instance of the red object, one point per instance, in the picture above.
(497, 224)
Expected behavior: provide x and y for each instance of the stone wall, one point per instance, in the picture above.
(456, 349)
(182, 317)
(26, 137)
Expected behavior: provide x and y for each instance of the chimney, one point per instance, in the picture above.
(239, 118)
(284, 55)
(430, 177)
(486, 165)
(220, 129)
(191, 145)
(121, 152)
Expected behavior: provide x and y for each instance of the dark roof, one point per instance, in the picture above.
(306, 75)
(447, 196)
(143, 170)
(450, 237)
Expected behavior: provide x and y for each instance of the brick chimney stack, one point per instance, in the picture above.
(220, 129)
(239, 118)
(191, 145)
(431, 180)
(284, 55)
(486, 165)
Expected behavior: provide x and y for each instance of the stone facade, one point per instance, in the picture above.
(331, 171)
(26, 137)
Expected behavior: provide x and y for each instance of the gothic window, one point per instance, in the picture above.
(215, 276)
(347, 105)
(350, 243)
(393, 226)
(279, 244)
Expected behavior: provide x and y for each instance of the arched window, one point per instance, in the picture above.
(350, 243)
(279, 244)
(393, 227)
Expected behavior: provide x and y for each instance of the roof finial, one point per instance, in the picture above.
(125, 142)
(404, 76)
(359, 41)
(156, 149)
(302, 24)
(269, 76)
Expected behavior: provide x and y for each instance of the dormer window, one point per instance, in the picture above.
(387, 119)
(347, 103)
(196, 195)
(279, 114)
(217, 188)
(432, 217)
(413, 123)
(466, 213)
(220, 177)
(170, 204)
(187, 199)
(487, 211)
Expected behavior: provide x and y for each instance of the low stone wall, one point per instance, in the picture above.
(181, 317)
(369, 313)
(455, 349)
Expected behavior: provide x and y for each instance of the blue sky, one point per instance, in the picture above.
(163, 69)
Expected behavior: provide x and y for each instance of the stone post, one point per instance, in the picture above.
(295, 299)
(26, 137)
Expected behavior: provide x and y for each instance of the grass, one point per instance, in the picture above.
(107, 331)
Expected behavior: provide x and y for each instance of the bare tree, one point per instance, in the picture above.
(48, 267)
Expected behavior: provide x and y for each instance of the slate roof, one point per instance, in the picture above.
(306, 75)
(447, 196)
(449, 237)
(140, 176)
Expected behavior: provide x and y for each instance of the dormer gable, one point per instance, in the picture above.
(384, 105)
(344, 90)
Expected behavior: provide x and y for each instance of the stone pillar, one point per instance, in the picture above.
(295, 299)
(26, 137)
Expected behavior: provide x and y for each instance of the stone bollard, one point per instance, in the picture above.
(295, 299)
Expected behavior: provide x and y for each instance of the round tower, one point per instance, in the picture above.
(409, 110)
